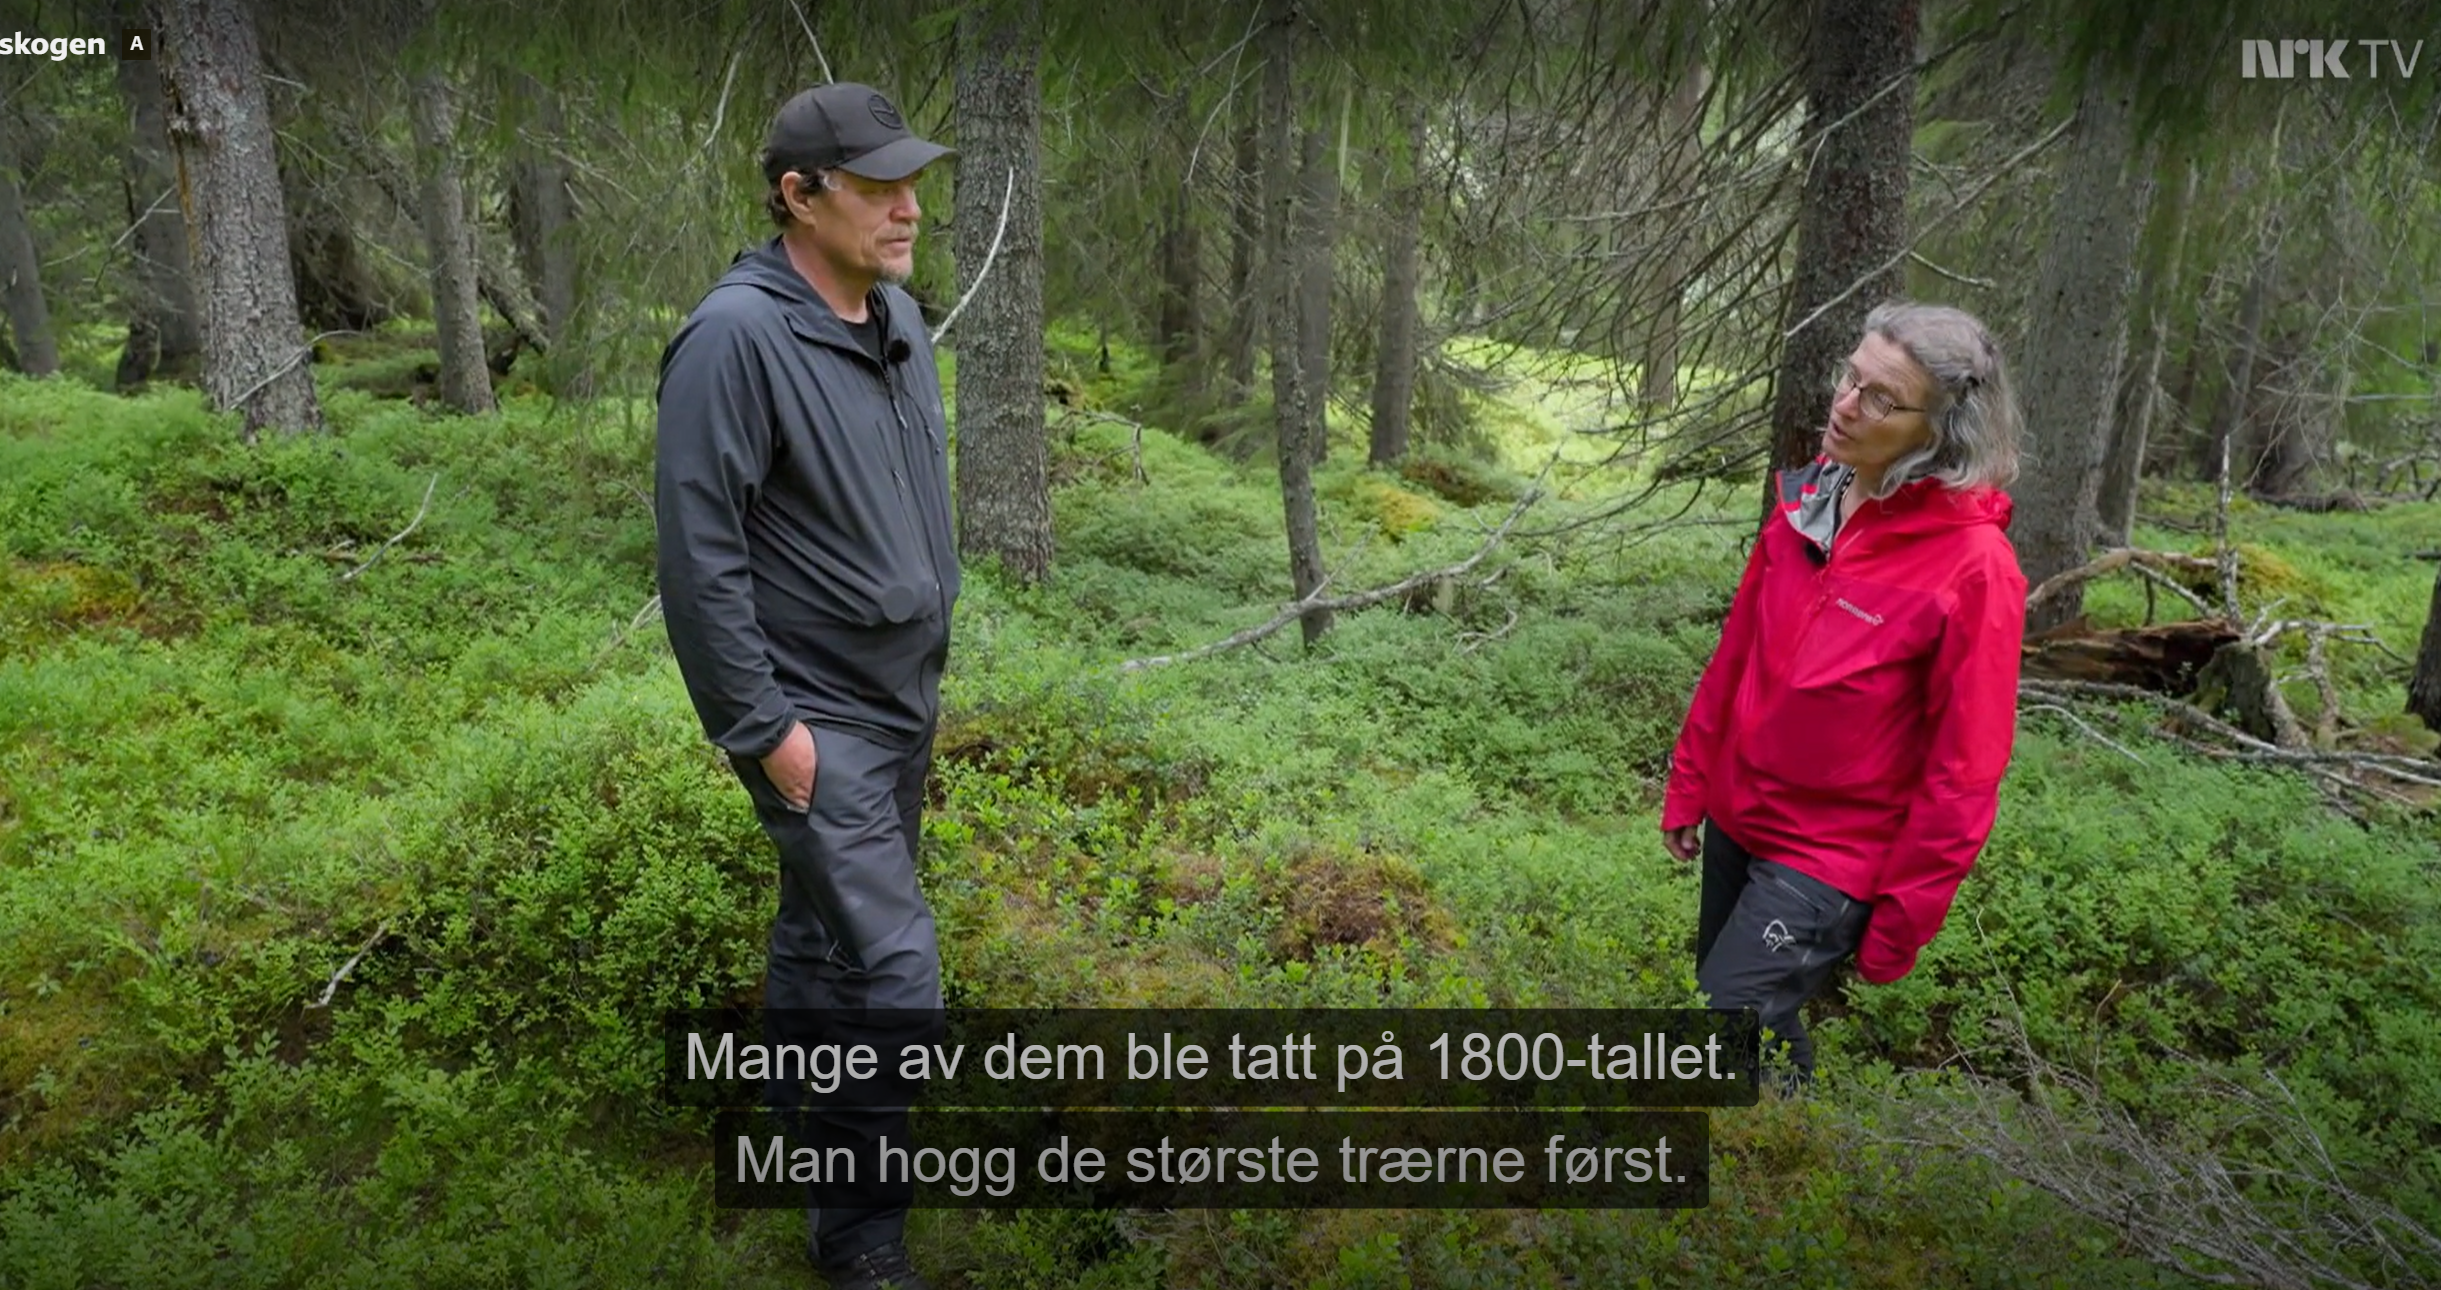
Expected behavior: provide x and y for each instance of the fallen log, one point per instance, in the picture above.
(2164, 658)
(2168, 564)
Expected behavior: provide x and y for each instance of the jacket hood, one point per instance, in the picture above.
(767, 269)
(1809, 500)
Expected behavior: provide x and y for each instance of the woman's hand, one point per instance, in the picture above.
(1685, 844)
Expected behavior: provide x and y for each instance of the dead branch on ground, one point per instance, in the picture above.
(1355, 600)
(2255, 1197)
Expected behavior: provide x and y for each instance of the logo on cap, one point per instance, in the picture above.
(886, 114)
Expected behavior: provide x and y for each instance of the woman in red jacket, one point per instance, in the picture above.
(1845, 747)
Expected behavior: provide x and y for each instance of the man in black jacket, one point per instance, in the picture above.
(807, 574)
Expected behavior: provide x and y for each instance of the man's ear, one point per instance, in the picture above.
(805, 194)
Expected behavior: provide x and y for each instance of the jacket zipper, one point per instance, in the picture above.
(1841, 540)
(923, 524)
(932, 558)
(906, 458)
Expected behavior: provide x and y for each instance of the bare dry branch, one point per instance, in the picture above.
(282, 370)
(1354, 600)
(810, 39)
(345, 969)
(650, 611)
(1477, 640)
(2237, 745)
(395, 538)
(2114, 560)
(2247, 1193)
(1008, 193)
(2069, 716)
(2020, 157)
(2157, 578)
(720, 110)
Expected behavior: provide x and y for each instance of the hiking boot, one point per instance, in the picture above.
(884, 1267)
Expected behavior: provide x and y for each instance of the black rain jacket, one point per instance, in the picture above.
(801, 496)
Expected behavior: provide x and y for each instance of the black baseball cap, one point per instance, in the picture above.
(845, 126)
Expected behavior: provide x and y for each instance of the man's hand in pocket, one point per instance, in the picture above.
(791, 767)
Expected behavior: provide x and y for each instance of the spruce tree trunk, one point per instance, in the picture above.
(1395, 355)
(1684, 121)
(1853, 216)
(1246, 210)
(2132, 427)
(1280, 265)
(1181, 252)
(1178, 324)
(1004, 494)
(165, 337)
(542, 221)
(2230, 416)
(36, 352)
(336, 286)
(457, 305)
(2291, 434)
(254, 348)
(1317, 212)
(2077, 340)
(2424, 685)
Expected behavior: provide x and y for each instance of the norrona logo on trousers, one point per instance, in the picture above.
(2279, 59)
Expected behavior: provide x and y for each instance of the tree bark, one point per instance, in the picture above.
(1245, 243)
(2132, 427)
(2077, 340)
(336, 286)
(2290, 434)
(1288, 388)
(164, 335)
(229, 185)
(1853, 216)
(1004, 494)
(1317, 218)
(457, 308)
(36, 352)
(1684, 121)
(2230, 416)
(1178, 322)
(1178, 326)
(1395, 356)
(542, 218)
(2424, 684)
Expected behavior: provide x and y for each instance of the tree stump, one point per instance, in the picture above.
(2237, 684)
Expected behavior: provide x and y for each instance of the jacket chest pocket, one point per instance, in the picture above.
(1844, 702)
(1848, 634)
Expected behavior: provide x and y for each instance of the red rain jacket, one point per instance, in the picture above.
(1856, 720)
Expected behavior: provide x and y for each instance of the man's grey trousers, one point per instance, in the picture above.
(853, 935)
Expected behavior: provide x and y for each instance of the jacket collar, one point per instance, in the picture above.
(1809, 502)
(768, 268)
(1809, 498)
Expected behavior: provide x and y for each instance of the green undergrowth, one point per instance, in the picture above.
(355, 832)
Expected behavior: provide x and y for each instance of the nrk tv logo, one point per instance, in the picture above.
(2282, 59)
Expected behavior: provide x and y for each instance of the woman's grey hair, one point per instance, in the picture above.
(1972, 410)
